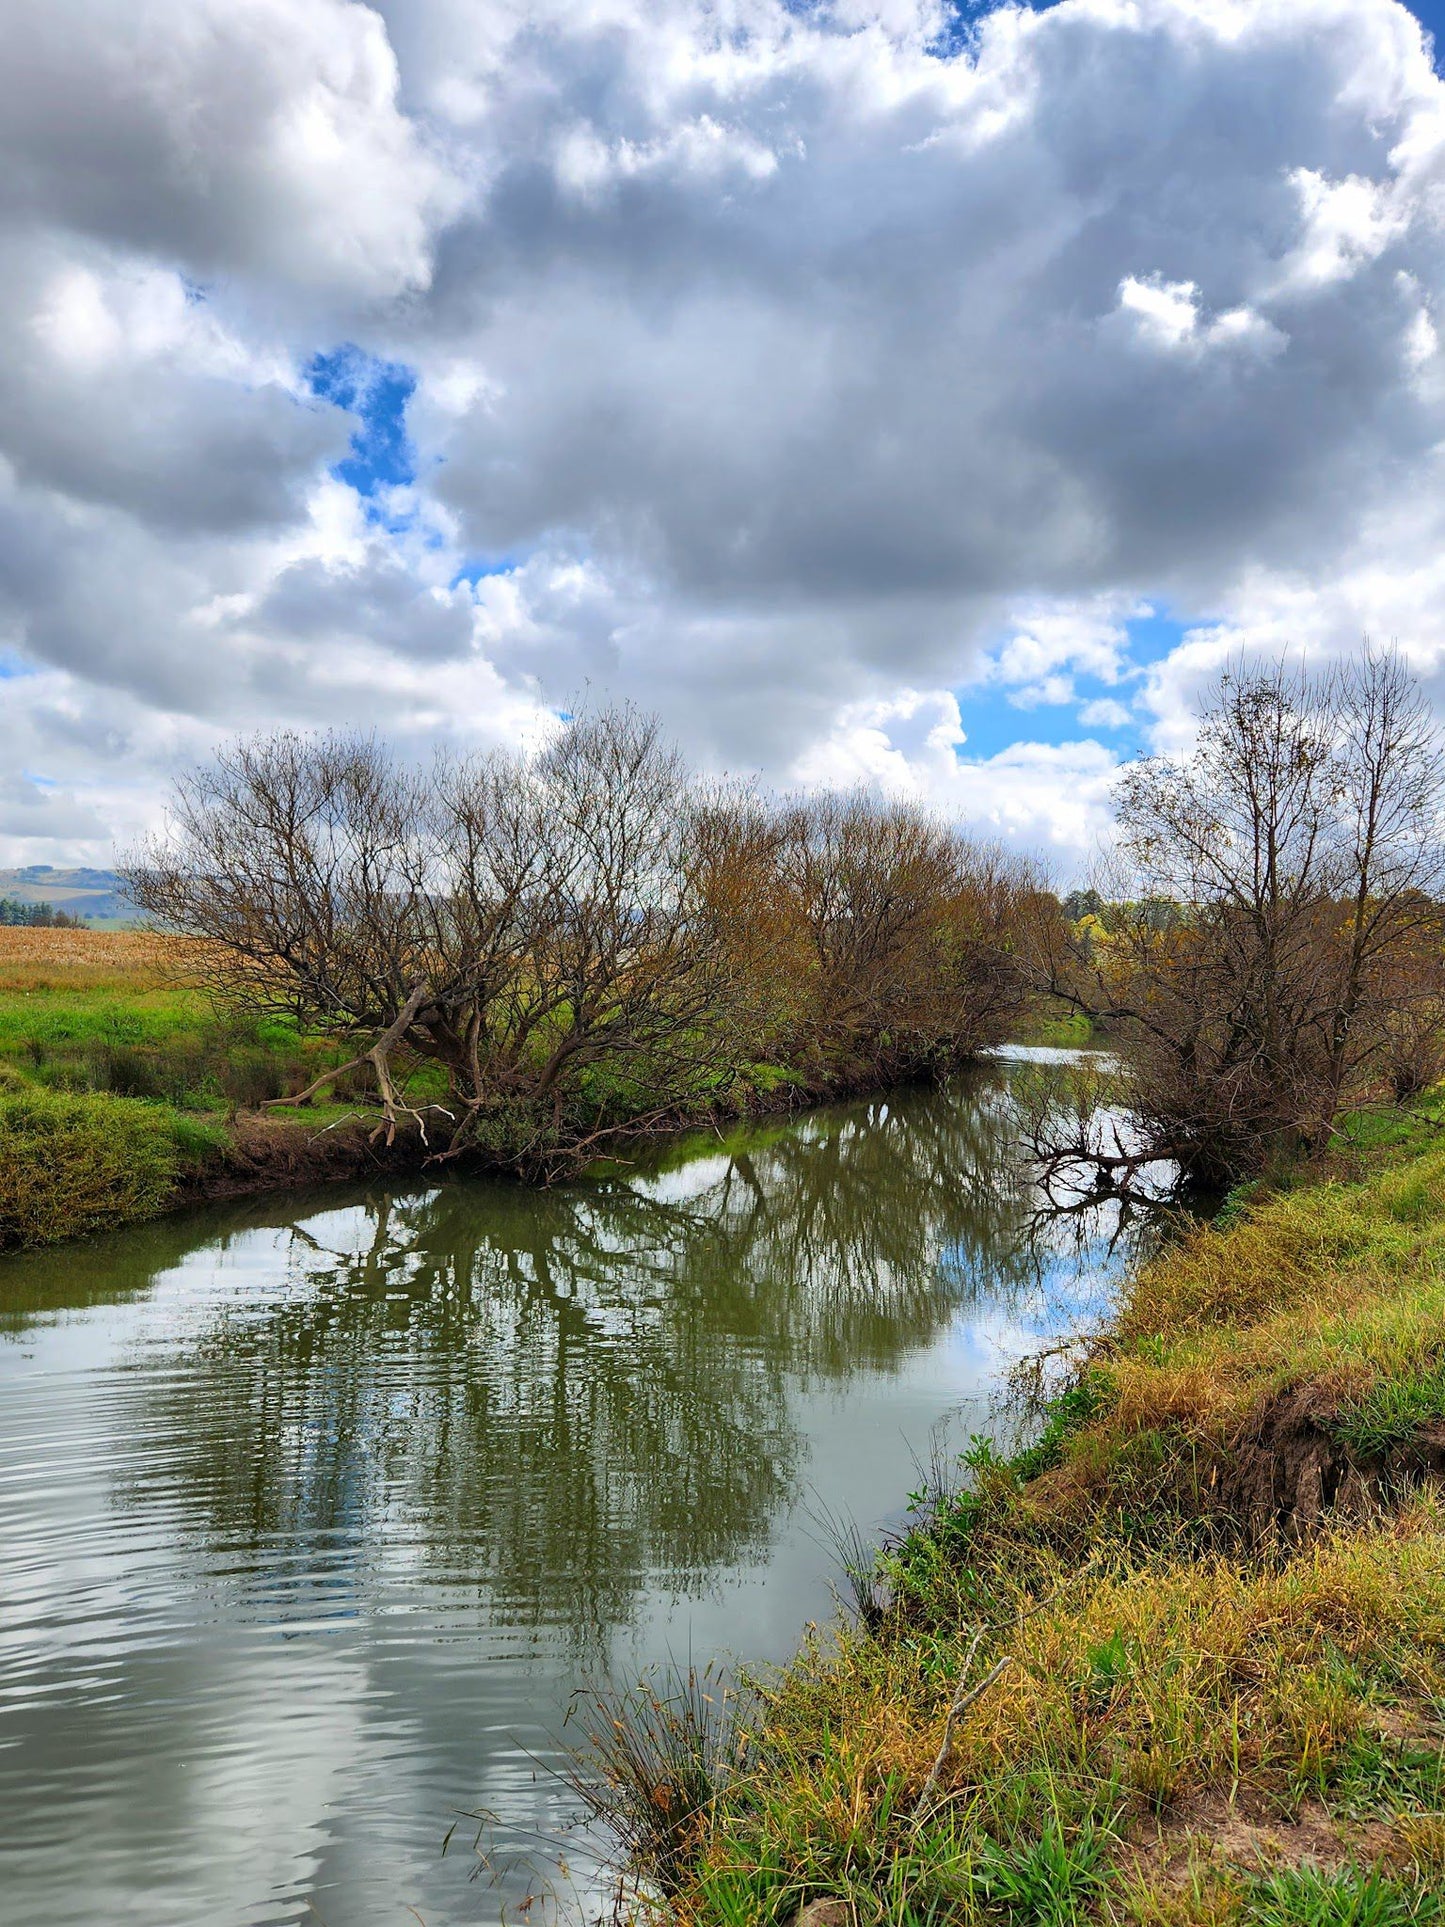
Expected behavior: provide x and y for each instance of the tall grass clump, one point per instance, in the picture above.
(649, 1763)
(71, 1164)
(1145, 1703)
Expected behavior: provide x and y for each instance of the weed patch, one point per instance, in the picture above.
(1305, 1897)
(69, 1164)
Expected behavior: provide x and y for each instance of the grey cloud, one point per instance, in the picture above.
(239, 136)
(183, 449)
(890, 367)
(379, 602)
(781, 358)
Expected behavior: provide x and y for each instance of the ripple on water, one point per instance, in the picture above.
(315, 1511)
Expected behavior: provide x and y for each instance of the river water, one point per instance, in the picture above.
(314, 1510)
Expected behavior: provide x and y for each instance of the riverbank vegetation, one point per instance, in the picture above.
(1179, 1661)
(521, 963)
(535, 960)
(1266, 945)
(122, 1089)
(510, 964)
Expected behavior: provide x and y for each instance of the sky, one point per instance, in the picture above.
(884, 392)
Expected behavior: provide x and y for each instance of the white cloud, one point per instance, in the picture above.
(779, 368)
(1047, 799)
(1166, 315)
(1104, 713)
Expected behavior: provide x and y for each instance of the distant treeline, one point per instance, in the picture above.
(36, 916)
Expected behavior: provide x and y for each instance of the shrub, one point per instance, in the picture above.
(76, 1163)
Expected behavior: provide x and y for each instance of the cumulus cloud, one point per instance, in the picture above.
(786, 369)
(260, 138)
(1047, 799)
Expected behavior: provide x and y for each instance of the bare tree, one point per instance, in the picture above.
(586, 943)
(906, 931)
(1273, 935)
(538, 929)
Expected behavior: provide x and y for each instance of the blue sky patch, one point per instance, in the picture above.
(476, 567)
(993, 722)
(1431, 15)
(377, 393)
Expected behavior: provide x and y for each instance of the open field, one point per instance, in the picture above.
(1215, 1590)
(67, 960)
(119, 1011)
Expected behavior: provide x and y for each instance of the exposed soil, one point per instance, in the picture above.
(1288, 1469)
(265, 1154)
(1248, 1834)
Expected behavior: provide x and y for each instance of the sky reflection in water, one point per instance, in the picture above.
(316, 1510)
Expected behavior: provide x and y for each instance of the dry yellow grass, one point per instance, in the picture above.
(1342, 1285)
(1213, 1668)
(1189, 1707)
(92, 960)
(1199, 1705)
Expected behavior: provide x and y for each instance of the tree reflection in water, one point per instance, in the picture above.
(555, 1394)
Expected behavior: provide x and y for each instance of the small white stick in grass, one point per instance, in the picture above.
(962, 1700)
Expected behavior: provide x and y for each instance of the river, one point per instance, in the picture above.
(317, 1508)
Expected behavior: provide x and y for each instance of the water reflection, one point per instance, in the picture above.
(313, 1508)
(568, 1393)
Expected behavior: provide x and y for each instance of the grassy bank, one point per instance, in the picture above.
(1209, 1603)
(122, 1093)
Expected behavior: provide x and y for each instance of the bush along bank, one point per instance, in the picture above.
(516, 965)
(536, 960)
(76, 1163)
(1180, 1662)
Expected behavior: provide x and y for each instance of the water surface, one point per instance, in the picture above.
(314, 1510)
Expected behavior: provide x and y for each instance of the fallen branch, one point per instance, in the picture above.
(376, 1056)
(963, 1699)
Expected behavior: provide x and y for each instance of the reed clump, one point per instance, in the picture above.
(73, 1164)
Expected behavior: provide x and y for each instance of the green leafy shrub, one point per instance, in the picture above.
(76, 1163)
(1052, 1881)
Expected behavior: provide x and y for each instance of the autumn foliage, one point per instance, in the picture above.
(535, 957)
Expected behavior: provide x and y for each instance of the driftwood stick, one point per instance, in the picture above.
(962, 1700)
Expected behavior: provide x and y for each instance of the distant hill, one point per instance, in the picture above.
(93, 894)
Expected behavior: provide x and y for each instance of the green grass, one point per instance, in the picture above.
(72, 1164)
(1178, 1695)
(1052, 1025)
(1307, 1897)
(1392, 1413)
(119, 1083)
(1055, 1880)
(161, 1044)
